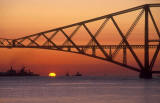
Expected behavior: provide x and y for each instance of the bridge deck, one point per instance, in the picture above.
(86, 46)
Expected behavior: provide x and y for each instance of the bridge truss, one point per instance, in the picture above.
(109, 52)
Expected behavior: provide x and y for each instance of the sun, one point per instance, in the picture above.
(52, 74)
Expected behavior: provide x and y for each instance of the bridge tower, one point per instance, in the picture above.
(146, 72)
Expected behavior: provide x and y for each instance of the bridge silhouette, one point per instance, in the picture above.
(109, 52)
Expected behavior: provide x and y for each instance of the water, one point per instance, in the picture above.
(79, 90)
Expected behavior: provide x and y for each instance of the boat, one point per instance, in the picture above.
(67, 74)
(78, 74)
(22, 72)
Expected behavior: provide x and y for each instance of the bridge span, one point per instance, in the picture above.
(109, 52)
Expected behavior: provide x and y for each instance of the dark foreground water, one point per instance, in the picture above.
(79, 90)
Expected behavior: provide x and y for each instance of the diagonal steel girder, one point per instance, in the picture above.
(128, 32)
(2, 42)
(127, 43)
(80, 51)
(19, 42)
(72, 34)
(10, 43)
(97, 43)
(98, 31)
(158, 48)
(34, 40)
(50, 38)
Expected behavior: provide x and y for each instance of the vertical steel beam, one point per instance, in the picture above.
(146, 38)
(13, 43)
(69, 49)
(110, 51)
(124, 55)
(146, 72)
(93, 51)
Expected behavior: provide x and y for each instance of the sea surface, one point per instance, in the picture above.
(79, 90)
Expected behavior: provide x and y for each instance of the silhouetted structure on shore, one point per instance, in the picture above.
(22, 72)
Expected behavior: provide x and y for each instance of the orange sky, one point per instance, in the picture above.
(24, 17)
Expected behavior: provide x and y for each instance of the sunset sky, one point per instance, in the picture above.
(25, 17)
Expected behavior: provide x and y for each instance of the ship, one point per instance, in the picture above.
(78, 74)
(21, 72)
(67, 74)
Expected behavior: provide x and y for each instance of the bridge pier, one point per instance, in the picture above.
(145, 74)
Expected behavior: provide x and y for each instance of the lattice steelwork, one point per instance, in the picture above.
(109, 51)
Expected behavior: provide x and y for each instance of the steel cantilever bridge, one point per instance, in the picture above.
(109, 52)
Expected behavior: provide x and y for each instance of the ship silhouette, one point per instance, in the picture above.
(77, 74)
(22, 72)
(67, 74)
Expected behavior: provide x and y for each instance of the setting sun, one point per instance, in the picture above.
(52, 74)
